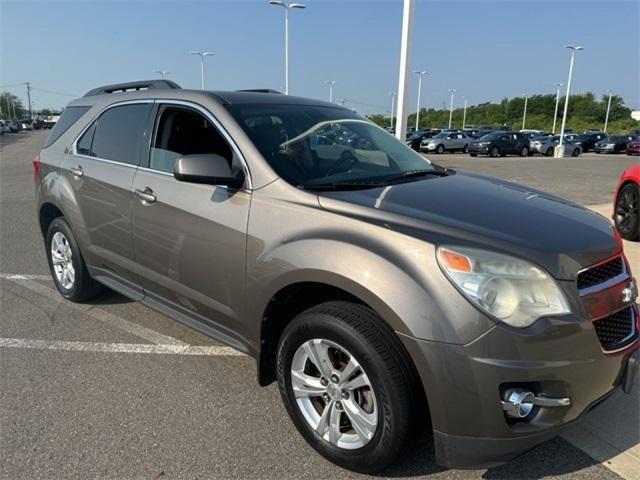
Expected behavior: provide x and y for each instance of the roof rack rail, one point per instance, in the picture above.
(132, 86)
(261, 90)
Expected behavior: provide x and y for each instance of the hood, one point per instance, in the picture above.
(486, 212)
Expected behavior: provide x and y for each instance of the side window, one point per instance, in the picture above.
(83, 147)
(181, 131)
(118, 134)
(70, 116)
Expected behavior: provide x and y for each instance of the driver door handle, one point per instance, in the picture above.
(77, 171)
(146, 195)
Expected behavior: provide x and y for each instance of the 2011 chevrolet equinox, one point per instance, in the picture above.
(377, 288)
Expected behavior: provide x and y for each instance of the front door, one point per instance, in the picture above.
(102, 166)
(190, 239)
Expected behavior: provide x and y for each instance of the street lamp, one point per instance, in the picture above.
(331, 83)
(606, 119)
(420, 73)
(451, 91)
(464, 114)
(524, 113)
(404, 72)
(287, 7)
(393, 106)
(164, 73)
(559, 150)
(202, 55)
(555, 115)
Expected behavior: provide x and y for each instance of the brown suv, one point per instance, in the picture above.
(379, 289)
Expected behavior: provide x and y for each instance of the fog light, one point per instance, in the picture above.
(518, 403)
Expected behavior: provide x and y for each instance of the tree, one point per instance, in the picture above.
(11, 106)
(45, 112)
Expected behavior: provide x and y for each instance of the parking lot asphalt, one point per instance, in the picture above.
(113, 390)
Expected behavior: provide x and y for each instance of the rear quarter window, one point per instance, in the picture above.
(70, 116)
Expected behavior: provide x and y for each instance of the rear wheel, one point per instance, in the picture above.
(347, 384)
(465, 149)
(524, 152)
(626, 213)
(576, 152)
(494, 152)
(66, 264)
(440, 149)
(549, 152)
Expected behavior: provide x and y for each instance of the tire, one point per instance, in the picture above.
(473, 154)
(76, 285)
(494, 152)
(626, 214)
(575, 153)
(524, 152)
(361, 335)
(465, 149)
(440, 149)
(549, 152)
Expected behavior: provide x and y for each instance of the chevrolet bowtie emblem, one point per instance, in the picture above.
(630, 293)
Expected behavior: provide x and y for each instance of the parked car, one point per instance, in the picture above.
(633, 148)
(589, 140)
(614, 144)
(378, 291)
(4, 128)
(446, 142)
(626, 212)
(26, 124)
(416, 139)
(499, 144)
(546, 146)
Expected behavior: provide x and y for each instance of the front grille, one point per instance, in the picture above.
(616, 331)
(601, 273)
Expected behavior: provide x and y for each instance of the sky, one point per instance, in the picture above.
(486, 50)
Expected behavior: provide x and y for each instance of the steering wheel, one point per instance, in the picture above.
(346, 158)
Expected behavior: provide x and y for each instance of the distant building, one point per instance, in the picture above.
(635, 115)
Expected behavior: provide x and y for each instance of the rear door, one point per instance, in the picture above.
(102, 166)
(190, 239)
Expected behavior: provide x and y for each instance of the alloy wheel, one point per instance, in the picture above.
(334, 394)
(61, 259)
(626, 211)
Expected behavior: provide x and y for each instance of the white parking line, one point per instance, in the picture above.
(96, 313)
(13, 276)
(202, 350)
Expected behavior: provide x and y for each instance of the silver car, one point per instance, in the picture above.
(547, 145)
(446, 141)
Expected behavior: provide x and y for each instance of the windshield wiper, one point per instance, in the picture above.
(443, 172)
(343, 186)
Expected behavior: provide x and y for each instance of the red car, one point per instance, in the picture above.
(633, 148)
(626, 214)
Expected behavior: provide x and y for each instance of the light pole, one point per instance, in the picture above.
(420, 73)
(287, 7)
(451, 91)
(331, 83)
(404, 72)
(559, 150)
(464, 114)
(606, 118)
(393, 106)
(555, 115)
(164, 73)
(524, 113)
(202, 55)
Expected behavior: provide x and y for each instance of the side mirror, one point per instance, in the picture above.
(211, 169)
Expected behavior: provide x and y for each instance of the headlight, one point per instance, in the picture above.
(511, 290)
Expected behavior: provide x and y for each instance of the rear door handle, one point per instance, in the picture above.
(77, 171)
(146, 195)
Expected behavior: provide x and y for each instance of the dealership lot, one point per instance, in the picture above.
(115, 390)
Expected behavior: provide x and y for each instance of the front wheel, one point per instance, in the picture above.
(67, 266)
(494, 152)
(575, 153)
(524, 152)
(465, 149)
(627, 213)
(440, 149)
(347, 384)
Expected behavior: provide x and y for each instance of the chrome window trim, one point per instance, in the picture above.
(245, 166)
(74, 145)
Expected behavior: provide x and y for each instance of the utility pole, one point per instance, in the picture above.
(555, 115)
(331, 84)
(420, 74)
(405, 68)
(393, 106)
(559, 150)
(29, 98)
(524, 114)
(451, 91)
(464, 114)
(606, 119)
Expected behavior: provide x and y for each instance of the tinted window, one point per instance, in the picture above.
(83, 147)
(119, 131)
(68, 118)
(180, 132)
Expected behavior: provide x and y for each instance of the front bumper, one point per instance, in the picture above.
(427, 148)
(478, 150)
(463, 383)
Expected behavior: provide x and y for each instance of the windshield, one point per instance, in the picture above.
(441, 135)
(310, 145)
(490, 136)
